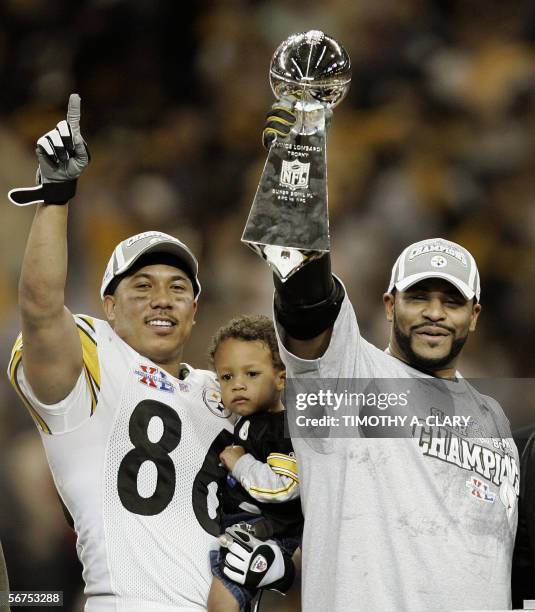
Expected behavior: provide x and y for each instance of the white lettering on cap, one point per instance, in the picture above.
(157, 236)
(436, 247)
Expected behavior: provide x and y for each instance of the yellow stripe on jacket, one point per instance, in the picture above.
(283, 464)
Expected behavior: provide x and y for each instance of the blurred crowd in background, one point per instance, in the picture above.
(436, 138)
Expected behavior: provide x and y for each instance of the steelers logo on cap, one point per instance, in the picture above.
(439, 262)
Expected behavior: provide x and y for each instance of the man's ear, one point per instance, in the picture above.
(388, 301)
(281, 380)
(108, 304)
(476, 311)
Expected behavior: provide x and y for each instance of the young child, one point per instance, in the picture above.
(262, 485)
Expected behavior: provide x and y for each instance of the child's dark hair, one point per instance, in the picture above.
(249, 328)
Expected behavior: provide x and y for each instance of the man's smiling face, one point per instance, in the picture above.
(430, 324)
(153, 311)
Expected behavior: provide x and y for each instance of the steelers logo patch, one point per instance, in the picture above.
(212, 398)
(439, 262)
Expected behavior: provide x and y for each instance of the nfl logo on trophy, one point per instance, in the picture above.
(294, 174)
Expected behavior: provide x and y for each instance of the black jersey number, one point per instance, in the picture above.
(207, 483)
(146, 450)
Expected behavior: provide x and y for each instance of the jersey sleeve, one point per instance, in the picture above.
(341, 357)
(275, 481)
(81, 402)
(270, 474)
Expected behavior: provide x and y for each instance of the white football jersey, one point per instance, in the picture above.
(134, 455)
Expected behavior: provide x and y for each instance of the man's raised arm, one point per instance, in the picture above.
(306, 306)
(52, 356)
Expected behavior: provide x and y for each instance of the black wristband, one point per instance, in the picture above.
(312, 284)
(59, 193)
(309, 301)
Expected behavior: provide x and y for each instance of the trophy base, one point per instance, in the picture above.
(285, 261)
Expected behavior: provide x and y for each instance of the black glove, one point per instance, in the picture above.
(63, 156)
(253, 562)
(279, 120)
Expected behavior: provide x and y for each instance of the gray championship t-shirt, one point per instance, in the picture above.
(409, 524)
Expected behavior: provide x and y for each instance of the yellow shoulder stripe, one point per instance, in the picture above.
(16, 360)
(90, 357)
(86, 332)
(88, 320)
(283, 464)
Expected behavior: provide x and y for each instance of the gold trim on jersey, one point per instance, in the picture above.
(88, 321)
(283, 464)
(87, 334)
(14, 363)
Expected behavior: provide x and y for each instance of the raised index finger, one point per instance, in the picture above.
(73, 111)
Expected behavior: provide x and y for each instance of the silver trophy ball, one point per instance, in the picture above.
(311, 63)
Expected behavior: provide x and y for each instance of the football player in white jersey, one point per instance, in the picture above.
(132, 434)
(423, 521)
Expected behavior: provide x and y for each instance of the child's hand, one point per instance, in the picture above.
(230, 455)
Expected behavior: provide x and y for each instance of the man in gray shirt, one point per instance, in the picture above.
(420, 523)
(425, 521)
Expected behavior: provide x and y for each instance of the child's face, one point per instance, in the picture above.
(249, 382)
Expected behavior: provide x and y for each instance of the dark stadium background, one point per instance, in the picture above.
(435, 138)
